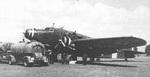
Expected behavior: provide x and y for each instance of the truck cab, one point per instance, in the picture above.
(24, 53)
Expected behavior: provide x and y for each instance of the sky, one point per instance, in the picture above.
(94, 18)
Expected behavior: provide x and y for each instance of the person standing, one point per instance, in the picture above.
(50, 57)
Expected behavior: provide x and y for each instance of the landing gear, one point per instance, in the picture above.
(66, 58)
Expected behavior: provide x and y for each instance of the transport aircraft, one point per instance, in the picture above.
(60, 40)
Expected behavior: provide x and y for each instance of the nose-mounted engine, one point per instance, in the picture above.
(29, 33)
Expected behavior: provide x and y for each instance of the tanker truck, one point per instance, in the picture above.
(27, 54)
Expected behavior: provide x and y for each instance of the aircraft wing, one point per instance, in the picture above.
(109, 43)
(133, 52)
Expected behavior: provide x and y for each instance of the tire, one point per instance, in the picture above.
(26, 64)
(10, 61)
(45, 64)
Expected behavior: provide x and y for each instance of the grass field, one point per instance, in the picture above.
(138, 67)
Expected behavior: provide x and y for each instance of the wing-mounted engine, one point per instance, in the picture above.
(64, 44)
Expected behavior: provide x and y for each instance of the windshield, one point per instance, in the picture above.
(38, 51)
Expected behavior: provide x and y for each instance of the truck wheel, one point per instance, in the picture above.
(45, 64)
(26, 64)
(126, 59)
(10, 61)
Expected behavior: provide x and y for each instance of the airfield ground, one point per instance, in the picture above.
(138, 67)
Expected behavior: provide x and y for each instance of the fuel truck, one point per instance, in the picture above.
(28, 54)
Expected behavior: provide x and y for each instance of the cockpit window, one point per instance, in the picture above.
(49, 29)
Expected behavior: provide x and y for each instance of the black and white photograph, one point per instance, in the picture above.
(74, 38)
